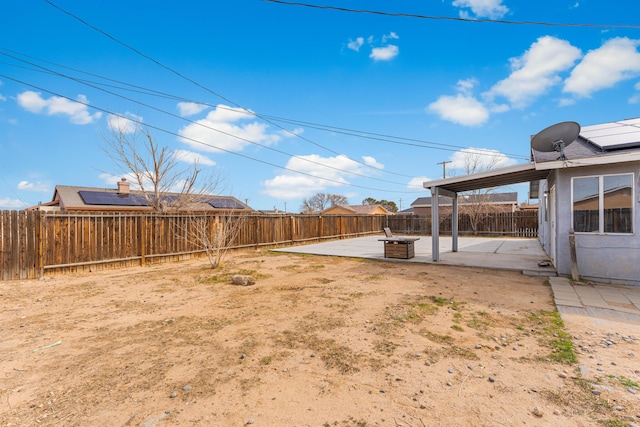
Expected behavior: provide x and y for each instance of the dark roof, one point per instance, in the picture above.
(92, 198)
(495, 198)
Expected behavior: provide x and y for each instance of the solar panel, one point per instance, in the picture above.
(225, 203)
(615, 135)
(103, 198)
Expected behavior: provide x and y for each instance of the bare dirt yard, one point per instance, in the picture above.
(316, 341)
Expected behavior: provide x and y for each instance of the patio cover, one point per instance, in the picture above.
(450, 187)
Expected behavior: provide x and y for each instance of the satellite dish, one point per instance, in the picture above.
(556, 138)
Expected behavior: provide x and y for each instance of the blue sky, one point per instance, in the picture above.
(286, 101)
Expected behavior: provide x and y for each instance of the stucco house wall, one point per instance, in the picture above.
(602, 257)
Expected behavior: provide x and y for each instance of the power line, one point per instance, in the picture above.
(177, 73)
(139, 122)
(448, 18)
(199, 123)
(193, 81)
(327, 128)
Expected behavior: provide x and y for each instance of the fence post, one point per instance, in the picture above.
(142, 231)
(39, 237)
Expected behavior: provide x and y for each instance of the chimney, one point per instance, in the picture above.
(123, 186)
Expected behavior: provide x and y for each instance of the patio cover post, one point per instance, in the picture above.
(454, 224)
(435, 225)
(436, 192)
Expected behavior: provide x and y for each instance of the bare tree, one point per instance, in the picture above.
(475, 203)
(213, 233)
(166, 185)
(156, 170)
(321, 201)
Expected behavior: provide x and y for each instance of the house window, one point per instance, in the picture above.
(603, 204)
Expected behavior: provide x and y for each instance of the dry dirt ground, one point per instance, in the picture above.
(317, 341)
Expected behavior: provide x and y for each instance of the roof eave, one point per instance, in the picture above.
(590, 161)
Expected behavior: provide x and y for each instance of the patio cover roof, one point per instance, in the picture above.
(450, 187)
(494, 178)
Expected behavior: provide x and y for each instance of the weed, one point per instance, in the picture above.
(440, 339)
(562, 349)
(627, 382)
(478, 323)
(614, 423)
(385, 347)
(457, 328)
(439, 301)
(265, 360)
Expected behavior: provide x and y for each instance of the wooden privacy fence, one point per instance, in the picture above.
(32, 242)
(515, 224)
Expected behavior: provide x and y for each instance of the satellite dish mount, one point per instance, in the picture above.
(559, 147)
(556, 138)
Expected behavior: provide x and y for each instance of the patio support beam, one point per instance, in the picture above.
(435, 225)
(454, 224)
(436, 192)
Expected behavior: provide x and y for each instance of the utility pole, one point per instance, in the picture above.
(400, 203)
(444, 168)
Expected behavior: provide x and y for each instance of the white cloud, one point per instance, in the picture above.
(535, 71)
(126, 123)
(378, 53)
(7, 203)
(33, 186)
(191, 108)
(371, 161)
(476, 160)
(78, 112)
(461, 109)
(466, 86)
(417, 183)
(291, 185)
(356, 44)
(392, 35)
(464, 108)
(112, 180)
(616, 60)
(491, 9)
(226, 128)
(386, 53)
(191, 157)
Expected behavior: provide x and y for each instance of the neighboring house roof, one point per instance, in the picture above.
(68, 198)
(528, 206)
(510, 198)
(357, 210)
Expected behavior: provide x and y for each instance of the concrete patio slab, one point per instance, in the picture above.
(499, 253)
